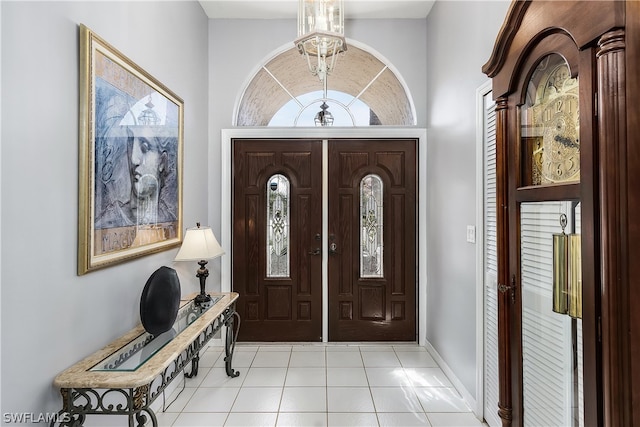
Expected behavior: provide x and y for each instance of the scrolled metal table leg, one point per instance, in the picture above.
(195, 362)
(142, 419)
(230, 343)
(65, 417)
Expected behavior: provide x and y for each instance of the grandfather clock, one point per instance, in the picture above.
(566, 81)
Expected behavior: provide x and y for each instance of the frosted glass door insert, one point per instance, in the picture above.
(371, 208)
(278, 226)
(551, 353)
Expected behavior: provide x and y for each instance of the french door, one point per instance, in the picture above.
(277, 235)
(372, 235)
(367, 243)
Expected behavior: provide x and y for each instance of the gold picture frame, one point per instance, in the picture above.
(130, 159)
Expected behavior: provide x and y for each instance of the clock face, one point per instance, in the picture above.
(555, 155)
(560, 139)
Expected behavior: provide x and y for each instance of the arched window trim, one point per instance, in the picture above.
(287, 46)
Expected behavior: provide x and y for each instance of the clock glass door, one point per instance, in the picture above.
(552, 361)
(548, 206)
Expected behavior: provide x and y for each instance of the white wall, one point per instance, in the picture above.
(51, 318)
(460, 38)
(236, 49)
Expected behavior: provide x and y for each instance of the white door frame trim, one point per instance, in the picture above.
(227, 136)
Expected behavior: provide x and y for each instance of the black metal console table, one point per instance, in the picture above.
(126, 376)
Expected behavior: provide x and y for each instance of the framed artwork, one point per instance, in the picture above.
(130, 159)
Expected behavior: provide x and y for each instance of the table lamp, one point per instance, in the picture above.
(200, 245)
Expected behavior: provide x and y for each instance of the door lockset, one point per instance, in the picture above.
(510, 288)
(333, 246)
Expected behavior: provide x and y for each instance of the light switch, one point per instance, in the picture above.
(471, 233)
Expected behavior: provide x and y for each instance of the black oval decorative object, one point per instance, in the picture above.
(160, 301)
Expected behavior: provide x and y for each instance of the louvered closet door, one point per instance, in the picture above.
(490, 265)
(551, 367)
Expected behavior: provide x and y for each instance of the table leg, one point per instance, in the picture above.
(195, 362)
(66, 418)
(230, 343)
(142, 419)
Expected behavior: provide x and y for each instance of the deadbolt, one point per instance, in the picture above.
(333, 248)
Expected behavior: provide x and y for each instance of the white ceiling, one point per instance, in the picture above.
(354, 9)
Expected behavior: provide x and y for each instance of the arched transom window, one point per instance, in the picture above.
(363, 90)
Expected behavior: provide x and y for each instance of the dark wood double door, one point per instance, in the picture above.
(367, 251)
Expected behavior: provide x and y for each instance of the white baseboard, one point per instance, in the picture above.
(468, 397)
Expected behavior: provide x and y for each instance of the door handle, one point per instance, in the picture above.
(316, 251)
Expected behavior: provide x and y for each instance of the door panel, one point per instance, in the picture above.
(280, 294)
(372, 304)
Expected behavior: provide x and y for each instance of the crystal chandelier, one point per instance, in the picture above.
(320, 40)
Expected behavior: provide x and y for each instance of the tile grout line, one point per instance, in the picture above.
(413, 387)
(326, 386)
(366, 375)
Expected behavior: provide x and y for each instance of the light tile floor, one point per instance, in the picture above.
(319, 385)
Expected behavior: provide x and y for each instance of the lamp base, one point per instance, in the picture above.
(202, 298)
(202, 274)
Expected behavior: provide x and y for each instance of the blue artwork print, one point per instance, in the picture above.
(136, 199)
(130, 159)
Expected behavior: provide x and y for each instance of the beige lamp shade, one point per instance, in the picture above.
(199, 243)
